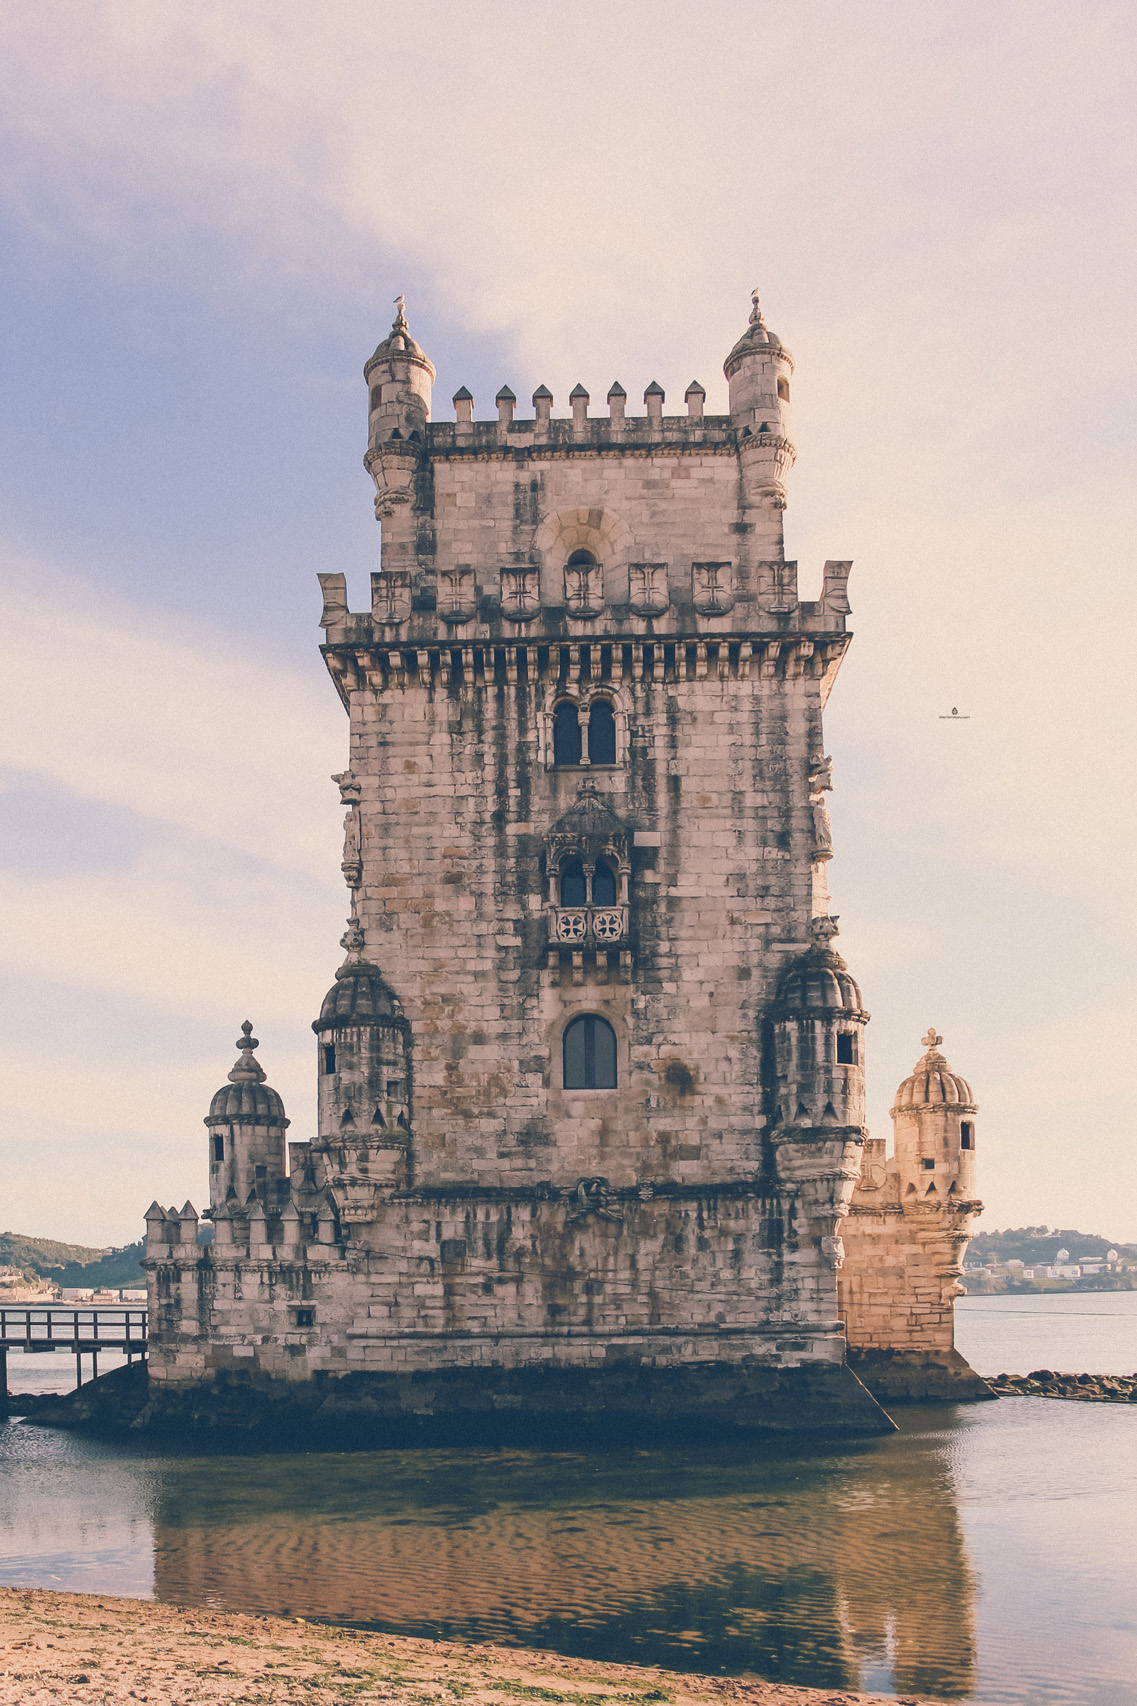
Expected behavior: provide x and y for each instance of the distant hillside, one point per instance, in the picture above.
(73, 1264)
(1039, 1244)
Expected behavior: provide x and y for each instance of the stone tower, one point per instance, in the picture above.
(905, 1238)
(591, 1077)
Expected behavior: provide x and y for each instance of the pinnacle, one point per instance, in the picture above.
(505, 395)
(462, 396)
(615, 390)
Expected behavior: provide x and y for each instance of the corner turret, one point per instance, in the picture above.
(758, 371)
(933, 1125)
(364, 1084)
(246, 1125)
(399, 378)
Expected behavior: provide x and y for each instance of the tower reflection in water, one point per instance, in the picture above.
(834, 1568)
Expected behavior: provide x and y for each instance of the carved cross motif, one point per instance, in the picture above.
(584, 588)
(391, 595)
(648, 593)
(713, 587)
(931, 1041)
(457, 598)
(520, 596)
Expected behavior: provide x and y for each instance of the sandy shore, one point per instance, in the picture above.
(92, 1648)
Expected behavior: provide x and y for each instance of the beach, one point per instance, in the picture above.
(95, 1648)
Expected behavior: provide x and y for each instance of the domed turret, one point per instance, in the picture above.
(246, 1124)
(364, 1091)
(819, 1019)
(933, 1122)
(758, 371)
(399, 378)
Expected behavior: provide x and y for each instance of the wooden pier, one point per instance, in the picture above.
(82, 1330)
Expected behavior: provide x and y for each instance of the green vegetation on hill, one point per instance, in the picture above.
(1039, 1244)
(73, 1264)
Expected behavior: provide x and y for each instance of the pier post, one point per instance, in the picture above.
(3, 1383)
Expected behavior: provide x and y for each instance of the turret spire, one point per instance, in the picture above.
(247, 1070)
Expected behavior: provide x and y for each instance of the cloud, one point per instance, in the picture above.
(116, 705)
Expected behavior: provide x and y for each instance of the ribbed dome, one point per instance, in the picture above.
(254, 1104)
(359, 996)
(934, 1084)
(246, 1099)
(399, 342)
(818, 982)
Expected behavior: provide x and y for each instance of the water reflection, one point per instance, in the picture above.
(834, 1568)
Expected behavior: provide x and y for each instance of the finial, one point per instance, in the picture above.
(247, 1070)
(756, 311)
(400, 324)
(932, 1040)
(353, 939)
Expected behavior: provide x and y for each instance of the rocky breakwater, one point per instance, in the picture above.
(1045, 1383)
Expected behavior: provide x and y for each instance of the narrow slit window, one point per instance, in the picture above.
(589, 1054)
(218, 1146)
(602, 733)
(329, 1057)
(966, 1135)
(566, 735)
(846, 1051)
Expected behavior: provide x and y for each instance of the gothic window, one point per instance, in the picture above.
(589, 1048)
(966, 1134)
(573, 886)
(603, 886)
(846, 1048)
(566, 734)
(601, 733)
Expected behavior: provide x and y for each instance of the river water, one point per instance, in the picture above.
(984, 1553)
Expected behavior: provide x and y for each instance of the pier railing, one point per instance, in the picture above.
(83, 1329)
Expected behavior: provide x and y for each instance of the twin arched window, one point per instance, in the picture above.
(589, 1051)
(574, 884)
(568, 735)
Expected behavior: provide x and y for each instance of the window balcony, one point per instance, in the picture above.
(588, 926)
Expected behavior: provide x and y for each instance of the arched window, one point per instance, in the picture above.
(601, 733)
(566, 734)
(573, 891)
(589, 1054)
(603, 886)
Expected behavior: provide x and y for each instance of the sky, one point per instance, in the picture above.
(205, 213)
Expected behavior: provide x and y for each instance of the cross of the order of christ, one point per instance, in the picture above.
(931, 1041)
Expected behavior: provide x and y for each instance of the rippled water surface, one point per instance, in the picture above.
(986, 1552)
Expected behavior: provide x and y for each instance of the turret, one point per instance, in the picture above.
(819, 1022)
(818, 1128)
(364, 1065)
(246, 1126)
(399, 379)
(933, 1125)
(758, 371)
